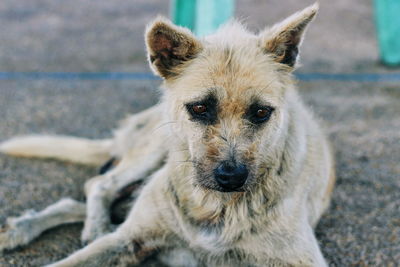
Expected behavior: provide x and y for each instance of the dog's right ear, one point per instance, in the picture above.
(169, 46)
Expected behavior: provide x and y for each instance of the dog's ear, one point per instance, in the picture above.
(282, 41)
(169, 46)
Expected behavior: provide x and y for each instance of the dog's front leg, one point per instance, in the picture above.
(143, 231)
(114, 249)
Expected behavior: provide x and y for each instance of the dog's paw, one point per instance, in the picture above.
(16, 232)
(91, 233)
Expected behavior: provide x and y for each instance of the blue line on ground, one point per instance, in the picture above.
(350, 77)
(345, 77)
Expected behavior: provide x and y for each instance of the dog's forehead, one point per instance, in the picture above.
(234, 73)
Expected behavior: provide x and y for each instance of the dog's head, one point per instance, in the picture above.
(225, 94)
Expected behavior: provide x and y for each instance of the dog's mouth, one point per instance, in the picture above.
(222, 189)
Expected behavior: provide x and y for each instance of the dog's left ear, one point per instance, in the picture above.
(169, 46)
(282, 41)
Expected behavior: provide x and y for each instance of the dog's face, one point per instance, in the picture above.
(226, 95)
(228, 108)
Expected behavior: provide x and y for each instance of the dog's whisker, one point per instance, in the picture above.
(164, 124)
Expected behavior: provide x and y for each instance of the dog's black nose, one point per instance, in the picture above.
(231, 176)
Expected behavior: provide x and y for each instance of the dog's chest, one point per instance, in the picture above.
(215, 239)
(215, 248)
(210, 240)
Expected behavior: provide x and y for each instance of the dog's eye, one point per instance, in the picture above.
(260, 114)
(203, 111)
(199, 109)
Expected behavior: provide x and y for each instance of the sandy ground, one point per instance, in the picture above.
(362, 228)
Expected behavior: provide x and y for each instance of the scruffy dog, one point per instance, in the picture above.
(237, 171)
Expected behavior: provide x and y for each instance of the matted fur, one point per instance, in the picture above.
(182, 213)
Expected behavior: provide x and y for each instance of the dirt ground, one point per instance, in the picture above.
(362, 228)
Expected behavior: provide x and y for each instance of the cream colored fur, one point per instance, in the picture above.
(181, 212)
(75, 149)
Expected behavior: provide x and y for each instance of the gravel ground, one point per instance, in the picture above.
(362, 228)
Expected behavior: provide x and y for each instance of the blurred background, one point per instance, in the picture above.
(77, 67)
(80, 35)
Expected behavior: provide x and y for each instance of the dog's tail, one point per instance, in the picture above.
(74, 149)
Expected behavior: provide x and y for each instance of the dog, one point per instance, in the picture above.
(236, 170)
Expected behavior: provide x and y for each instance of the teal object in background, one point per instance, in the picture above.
(387, 16)
(210, 14)
(184, 13)
(202, 16)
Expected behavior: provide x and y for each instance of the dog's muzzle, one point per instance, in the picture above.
(231, 176)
